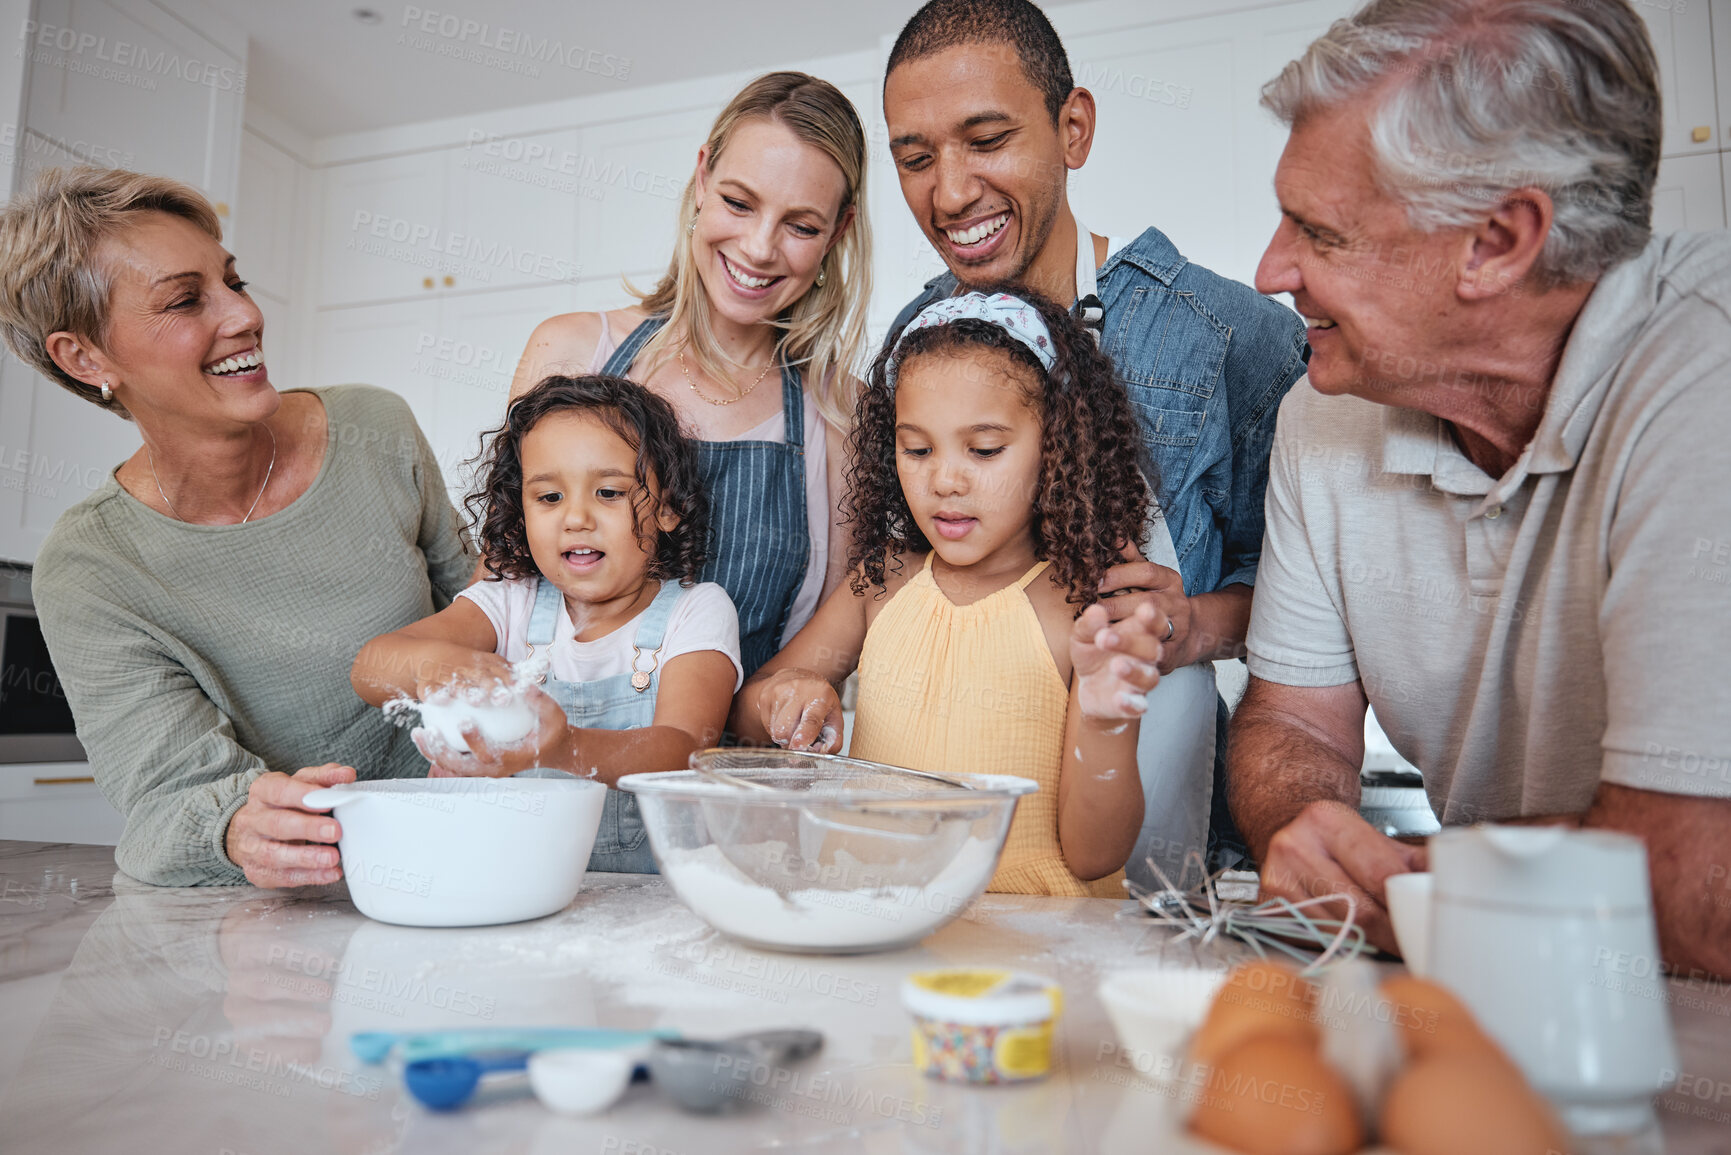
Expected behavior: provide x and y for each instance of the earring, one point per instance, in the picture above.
(107, 393)
(692, 227)
(820, 277)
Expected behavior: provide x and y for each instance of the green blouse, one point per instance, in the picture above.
(197, 657)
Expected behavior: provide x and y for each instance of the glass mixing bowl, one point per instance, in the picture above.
(816, 853)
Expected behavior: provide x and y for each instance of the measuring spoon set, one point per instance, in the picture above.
(581, 1070)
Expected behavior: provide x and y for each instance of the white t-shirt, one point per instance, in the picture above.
(703, 619)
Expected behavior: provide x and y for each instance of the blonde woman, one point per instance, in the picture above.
(771, 271)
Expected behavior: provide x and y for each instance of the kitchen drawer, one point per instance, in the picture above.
(55, 802)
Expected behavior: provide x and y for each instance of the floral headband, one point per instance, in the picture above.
(1009, 313)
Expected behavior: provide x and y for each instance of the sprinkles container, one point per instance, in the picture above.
(982, 1026)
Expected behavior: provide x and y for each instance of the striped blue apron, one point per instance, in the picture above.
(759, 544)
(622, 844)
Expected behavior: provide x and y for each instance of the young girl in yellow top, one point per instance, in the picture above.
(995, 479)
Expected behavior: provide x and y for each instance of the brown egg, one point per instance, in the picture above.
(1452, 1102)
(1429, 1019)
(1274, 1095)
(1259, 998)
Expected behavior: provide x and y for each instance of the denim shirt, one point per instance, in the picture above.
(1206, 361)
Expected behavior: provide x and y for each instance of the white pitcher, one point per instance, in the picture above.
(1546, 933)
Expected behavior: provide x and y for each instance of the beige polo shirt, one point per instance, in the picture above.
(1523, 638)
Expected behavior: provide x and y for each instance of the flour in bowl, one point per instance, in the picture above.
(820, 919)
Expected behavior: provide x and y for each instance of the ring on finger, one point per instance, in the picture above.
(1171, 628)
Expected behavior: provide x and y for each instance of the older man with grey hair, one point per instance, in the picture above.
(1500, 509)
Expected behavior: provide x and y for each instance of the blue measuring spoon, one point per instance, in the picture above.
(445, 1084)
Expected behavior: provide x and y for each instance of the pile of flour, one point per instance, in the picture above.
(501, 712)
(821, 919)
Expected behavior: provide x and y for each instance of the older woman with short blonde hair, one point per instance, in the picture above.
(203, 606)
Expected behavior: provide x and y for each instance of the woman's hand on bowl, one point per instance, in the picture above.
(802, 711)
(277, 842)
(551, 744)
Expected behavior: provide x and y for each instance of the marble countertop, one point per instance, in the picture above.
(216, 1020)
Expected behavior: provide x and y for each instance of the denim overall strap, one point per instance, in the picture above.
(760, 541)
(544, 618)
(652, 622)
(615, 703)
(619, 364)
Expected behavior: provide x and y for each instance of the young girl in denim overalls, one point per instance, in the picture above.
(592, 524)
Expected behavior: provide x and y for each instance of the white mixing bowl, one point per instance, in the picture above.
(464, 851)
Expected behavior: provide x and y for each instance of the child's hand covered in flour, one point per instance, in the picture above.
(1115, 662)
(550, 742)
(802, 711)
(478, 670)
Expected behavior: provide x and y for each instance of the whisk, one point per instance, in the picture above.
(1276, 924)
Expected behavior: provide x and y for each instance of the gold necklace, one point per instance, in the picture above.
(269, 469)
(689, 380)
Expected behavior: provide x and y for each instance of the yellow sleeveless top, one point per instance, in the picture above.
(974, 690)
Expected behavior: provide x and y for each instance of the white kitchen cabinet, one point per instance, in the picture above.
(124, 76)
(383, 345)
(480, 338)
(450, 357)
(1724, 179)
(635, 171)
(1683, 40)
(513, 202)
(384, 236)
(1719, 13)
(260, 233)
(492, 214)
(56, 802)
(1689, 194)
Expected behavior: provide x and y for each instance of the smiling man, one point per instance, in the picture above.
(1498, 509)
(985, 126)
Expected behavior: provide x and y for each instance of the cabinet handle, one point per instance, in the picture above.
(1702, 134)
(426, 282)
(449, 280)
(63, 781)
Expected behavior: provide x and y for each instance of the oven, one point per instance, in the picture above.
(35, 718)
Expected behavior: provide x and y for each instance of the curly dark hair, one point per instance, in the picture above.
(664, 454)
(1091, 498)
